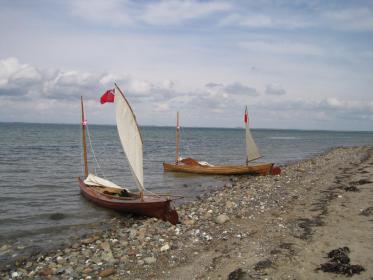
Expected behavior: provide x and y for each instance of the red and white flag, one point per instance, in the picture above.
(246, 117)
(108, 96)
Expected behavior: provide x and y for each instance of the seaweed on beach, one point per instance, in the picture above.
(351, 189)
(239, 274)
(367, 211)
(340, 255)
(340, 263)
(363, 181)
(263, 264)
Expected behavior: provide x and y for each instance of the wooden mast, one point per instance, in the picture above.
(177, 138)
(84, 123)
(246, 121)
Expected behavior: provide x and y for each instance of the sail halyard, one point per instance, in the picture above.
(130, 137)
(252, 151)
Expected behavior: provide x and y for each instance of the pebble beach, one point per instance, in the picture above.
(255, 227)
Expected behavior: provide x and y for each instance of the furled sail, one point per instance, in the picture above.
(93, 180)
(252, 151)
(130, 137)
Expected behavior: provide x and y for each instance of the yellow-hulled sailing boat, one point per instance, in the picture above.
(190, 165)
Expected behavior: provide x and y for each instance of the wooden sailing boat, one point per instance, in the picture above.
(110, 195)
(190, 165)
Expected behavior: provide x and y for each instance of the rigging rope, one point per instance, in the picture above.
(93, 154)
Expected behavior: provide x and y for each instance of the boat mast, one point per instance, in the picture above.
(177, 138)
(84, 123)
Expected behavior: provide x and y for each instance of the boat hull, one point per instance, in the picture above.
(254, 169)
(149, 205)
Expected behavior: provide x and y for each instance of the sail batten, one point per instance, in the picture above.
(252, 151)
(130, 137)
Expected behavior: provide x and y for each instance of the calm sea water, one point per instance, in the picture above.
(40, 201)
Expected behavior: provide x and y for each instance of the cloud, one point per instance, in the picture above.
(265, 21)
(327, 108)
(274, 89)
(240, 89)
(288, 17)
(352, 19)
(18, 79)
(282, 47)
(108, 12)
(40, 93)
(127, 13)
(235, 88)
(212, 85)
(177, 12)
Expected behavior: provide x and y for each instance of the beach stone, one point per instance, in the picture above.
(133, 233)
(107, 272)
(87, 270)
(105, 246)
(189, 222)
(230, 204)
(150, 260)
(46, 271)
(141, 234)
(60, 271)
(60, 260)
(221, 219)
(4, 247)
(165, 247)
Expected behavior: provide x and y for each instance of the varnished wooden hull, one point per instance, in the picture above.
(151, 206)
(255, 169)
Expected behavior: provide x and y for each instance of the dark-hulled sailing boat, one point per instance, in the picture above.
(110, 195)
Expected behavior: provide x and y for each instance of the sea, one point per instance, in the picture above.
(40, 202)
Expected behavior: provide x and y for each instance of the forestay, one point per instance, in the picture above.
(130, 137)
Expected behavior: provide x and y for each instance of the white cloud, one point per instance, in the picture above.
(274, 89)
(17, 79)
(122, 13)
(108, 12)
(248, 19)
(54, 91)
(282, 47)
(177, 12)
(353, 19)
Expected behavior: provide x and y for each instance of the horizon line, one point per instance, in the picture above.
(207, 127)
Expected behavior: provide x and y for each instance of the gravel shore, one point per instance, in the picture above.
(272, 227)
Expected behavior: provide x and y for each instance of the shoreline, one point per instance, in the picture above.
(253, 228)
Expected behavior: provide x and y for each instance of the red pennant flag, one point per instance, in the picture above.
(246, 118)
(108, 96)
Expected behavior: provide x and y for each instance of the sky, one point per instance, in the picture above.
(295, 64)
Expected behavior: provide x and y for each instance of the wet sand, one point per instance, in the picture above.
(274, 227)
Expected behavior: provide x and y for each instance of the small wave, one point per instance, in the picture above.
(285, 138)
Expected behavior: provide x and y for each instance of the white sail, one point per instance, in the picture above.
(130, 137)
(252, 151)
